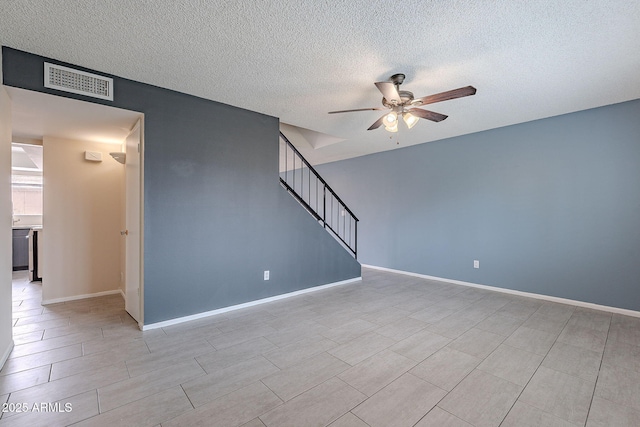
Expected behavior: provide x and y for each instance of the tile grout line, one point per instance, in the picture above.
(534, 373)
(436, 405)
(476, 367)
(595, 385)
(187, 396)
(443, 397)
(200, 364)
(349, 412)
(99, 405)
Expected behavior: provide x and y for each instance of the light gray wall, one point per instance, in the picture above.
(550, 206)
(215, 214)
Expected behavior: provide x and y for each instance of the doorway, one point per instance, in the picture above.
(77, 137)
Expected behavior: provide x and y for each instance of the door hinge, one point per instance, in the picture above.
(138, 147)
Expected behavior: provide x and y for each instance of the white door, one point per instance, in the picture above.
(133, 224)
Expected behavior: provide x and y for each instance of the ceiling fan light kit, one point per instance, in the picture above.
(409, 119)
(391, 119)
(402, 102)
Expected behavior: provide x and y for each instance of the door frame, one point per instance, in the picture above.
(140, 223)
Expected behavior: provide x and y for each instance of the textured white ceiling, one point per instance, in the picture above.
(297, 60)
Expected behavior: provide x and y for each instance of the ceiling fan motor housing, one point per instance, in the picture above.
(406, 98)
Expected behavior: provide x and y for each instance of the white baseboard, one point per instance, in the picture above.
(6, 354)
(84, 296)
(607, 308)
(245, 305)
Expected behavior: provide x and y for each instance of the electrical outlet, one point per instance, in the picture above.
(476, 263)
(266, 275)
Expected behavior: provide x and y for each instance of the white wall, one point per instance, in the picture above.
(6, 340)
(81, 219)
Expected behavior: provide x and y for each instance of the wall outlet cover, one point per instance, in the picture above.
(266, 275)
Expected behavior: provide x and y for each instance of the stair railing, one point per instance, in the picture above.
(306, 185)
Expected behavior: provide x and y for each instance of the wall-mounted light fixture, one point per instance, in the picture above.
(93, 156)
(119, 157)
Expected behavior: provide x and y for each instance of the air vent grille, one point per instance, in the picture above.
(79, 82)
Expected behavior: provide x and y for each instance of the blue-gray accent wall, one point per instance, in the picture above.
(550, 206)
(215, 215)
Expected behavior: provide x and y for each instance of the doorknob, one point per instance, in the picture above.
(124, 232)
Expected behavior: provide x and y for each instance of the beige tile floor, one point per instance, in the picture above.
(390, 351)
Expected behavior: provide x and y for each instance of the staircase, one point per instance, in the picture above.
(304, 183)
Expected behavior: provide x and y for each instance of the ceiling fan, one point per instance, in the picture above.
(402, 103)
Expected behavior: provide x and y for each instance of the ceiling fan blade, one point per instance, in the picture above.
(450, 94)
(358, 109)
(389, 91)
(377, 123)
(429, 115)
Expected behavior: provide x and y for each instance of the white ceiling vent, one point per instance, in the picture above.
(79, 82)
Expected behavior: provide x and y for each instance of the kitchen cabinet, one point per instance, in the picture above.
(20, 249)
